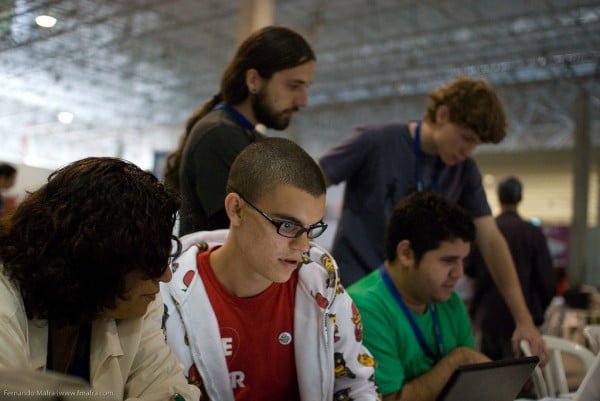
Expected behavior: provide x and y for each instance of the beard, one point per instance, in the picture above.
(265, 114)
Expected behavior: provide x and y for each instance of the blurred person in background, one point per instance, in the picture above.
(8, 176)
(529, 250)
(81, 261)
(263, 86)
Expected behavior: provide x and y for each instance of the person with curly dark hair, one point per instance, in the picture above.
(416, 326)
(81, 262)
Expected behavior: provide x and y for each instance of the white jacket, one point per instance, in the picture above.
(129, 359)
(327, 324)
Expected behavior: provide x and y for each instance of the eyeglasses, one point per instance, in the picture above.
(289, 229)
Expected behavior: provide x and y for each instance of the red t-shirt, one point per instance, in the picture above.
(256, 335)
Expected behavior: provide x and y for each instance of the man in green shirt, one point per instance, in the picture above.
(414, 323)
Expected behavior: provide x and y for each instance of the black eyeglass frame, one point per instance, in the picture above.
(278, 224)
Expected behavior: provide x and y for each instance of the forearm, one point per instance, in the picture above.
(429, 385)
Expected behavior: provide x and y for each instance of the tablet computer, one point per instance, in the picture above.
(490, 381)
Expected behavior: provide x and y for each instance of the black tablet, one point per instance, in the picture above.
(489, 381)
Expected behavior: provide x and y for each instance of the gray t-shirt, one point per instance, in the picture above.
(379, 166)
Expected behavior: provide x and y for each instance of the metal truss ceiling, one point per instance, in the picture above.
(125, 67)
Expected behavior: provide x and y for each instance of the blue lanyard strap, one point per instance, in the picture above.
(239, 117)
(413, 324)
(419, 167)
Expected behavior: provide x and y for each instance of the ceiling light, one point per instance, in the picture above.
(45, 21)
(65, 117)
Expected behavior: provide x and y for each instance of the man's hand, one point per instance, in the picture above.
(467, 356)
(532, 335)
(429, 385)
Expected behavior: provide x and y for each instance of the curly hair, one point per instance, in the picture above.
(69, 245)
(472, 103)
(426, 220)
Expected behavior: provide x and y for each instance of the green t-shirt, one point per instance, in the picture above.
(390, 338)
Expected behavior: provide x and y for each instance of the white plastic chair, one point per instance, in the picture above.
(592, 335)
(551, 380)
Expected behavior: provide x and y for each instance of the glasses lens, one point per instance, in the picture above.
(316, 231)
(289, 229)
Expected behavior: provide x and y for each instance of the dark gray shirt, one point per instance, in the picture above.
(378, 164)
(213, 145)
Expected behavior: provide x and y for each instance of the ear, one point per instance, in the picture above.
(404, 253)
(253, 80)
(233, 208)
(442, 114)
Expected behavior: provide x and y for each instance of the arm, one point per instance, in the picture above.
(14, 349)
(354, 366)
(155, 373)
(328, 183)
(497, 257)
(345, 159)
(429, 385)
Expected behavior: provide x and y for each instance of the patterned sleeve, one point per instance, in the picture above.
(354, 364)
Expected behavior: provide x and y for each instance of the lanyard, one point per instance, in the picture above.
(419, 167)
(413, 324)
(239, 117)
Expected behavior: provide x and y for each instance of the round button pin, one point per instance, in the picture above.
(285, 338)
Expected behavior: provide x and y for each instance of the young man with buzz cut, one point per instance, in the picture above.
(249, 315)
(415, 325)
